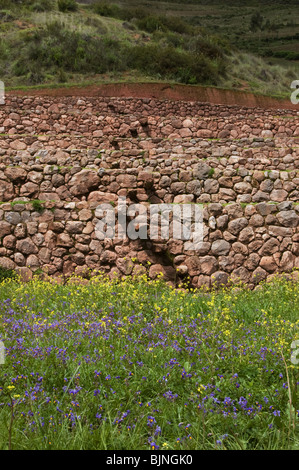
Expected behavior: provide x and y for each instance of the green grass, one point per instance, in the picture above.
(130, 365)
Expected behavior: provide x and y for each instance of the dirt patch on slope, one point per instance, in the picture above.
(165, 91)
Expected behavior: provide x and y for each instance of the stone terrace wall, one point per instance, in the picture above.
(71, 155)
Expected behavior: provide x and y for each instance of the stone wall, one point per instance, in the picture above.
(61, 158)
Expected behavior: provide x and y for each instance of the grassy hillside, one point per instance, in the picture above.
(270, 28)
(209, 43)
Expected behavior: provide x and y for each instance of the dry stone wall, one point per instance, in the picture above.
(61, 158)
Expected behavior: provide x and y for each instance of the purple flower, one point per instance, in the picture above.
(151, 421)
(170, 396)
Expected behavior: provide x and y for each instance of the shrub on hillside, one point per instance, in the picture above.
(5, 4)
(35, 5)
(154, 23)
(96, 23)
(4, 49)
(288, 55)
(43, 5)
(54, 48)
(145, 20)
(67, 5)
(104, 8)
(131, 13)
(168, 62)
(170, 38)
(151, 24)
(206, 46)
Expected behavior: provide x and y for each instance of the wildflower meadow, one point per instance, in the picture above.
(137, 364)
